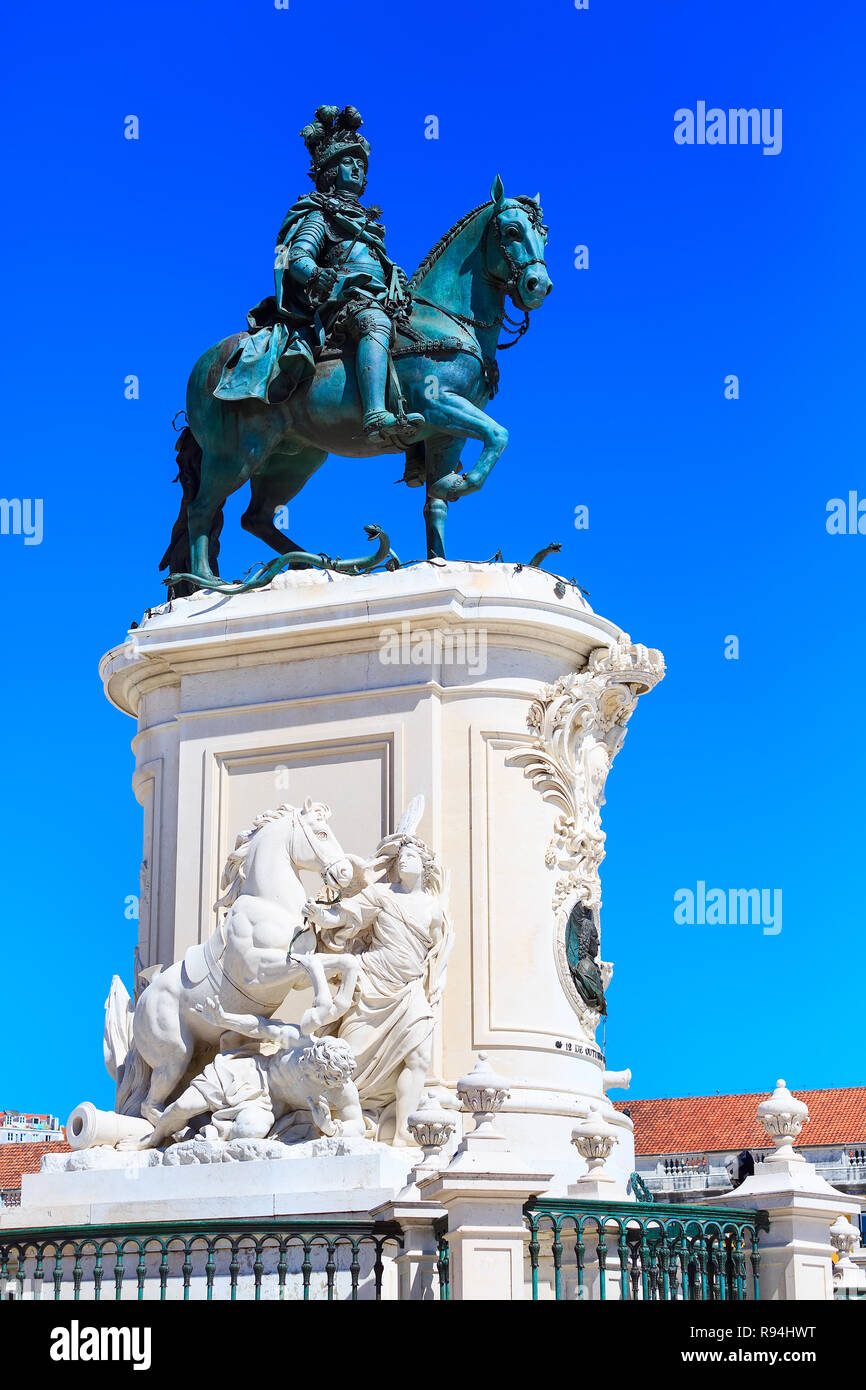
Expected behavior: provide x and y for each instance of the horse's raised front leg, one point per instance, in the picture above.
(327, 1008)
(321, 1011)
(349, 968)
(455, 415)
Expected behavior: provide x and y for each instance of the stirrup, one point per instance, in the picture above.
(378, 424)
(384, 428)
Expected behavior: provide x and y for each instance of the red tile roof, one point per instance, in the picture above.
(713, 1124)
(16, 1159)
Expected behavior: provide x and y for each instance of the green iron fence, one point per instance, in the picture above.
(577, 1250)
(442, 1261)
(630, 1251)
(273, 1258)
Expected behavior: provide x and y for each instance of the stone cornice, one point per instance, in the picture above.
(208, 632)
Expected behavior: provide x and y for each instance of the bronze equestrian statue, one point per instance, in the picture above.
(350, 357)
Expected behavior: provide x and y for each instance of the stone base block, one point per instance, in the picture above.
(324, 1177)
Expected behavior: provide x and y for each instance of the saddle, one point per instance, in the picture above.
(417, 343)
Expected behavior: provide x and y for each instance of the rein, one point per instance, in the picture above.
(509, 286)
(299, 824)
(514, 327)
(503, 320)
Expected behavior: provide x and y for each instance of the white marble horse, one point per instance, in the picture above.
(262, 948)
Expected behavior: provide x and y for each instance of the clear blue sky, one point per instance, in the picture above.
(707, 516)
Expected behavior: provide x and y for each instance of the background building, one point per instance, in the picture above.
(25, 1139)
(686, 1146)
(18, 1159)
(21, 1127)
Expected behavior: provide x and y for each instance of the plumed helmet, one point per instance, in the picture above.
(332, 134)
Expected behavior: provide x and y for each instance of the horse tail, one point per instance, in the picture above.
(177, 557)
(133, 1083)
(117, 1037)
(122, 1058)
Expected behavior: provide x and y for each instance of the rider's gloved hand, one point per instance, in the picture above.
(322, 284)
(398, 290)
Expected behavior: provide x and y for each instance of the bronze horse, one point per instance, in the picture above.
(444, 360)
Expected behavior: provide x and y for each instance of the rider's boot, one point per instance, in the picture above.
(381, 426)
(415, 471)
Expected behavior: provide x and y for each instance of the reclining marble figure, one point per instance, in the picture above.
(249, 1095)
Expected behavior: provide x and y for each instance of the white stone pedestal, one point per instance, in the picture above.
(296, 1227)
(796, 1254)
(325, 1177)
(418, 1261)
(484, 1190)
(363, 692)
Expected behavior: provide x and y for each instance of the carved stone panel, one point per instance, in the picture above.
(578, 726)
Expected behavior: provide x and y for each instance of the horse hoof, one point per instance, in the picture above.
(450, 488)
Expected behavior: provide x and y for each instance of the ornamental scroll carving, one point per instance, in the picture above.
(578, 726)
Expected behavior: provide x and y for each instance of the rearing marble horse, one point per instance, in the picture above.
(445, 366)
(263, 948)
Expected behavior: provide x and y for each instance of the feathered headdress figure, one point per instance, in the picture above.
(388, 849)
(331, 135)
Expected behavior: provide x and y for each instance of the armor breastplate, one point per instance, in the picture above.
(359, 257)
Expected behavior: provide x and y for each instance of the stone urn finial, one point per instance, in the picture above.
(482, 1093)
(845, 1239)
(848, 1276)
(594, 1138)
(431, 1127)
(783, 1116)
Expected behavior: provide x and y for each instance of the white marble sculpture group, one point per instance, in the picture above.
(198, 1058)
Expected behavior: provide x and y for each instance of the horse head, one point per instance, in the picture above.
(299, 835)
(514, 242)
(315, 846)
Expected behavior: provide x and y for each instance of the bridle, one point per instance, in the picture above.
(301, 825)
(515, 268)
(515, 327)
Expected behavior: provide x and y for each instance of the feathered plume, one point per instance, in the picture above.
(329, 120)
(348, 119)
(411, 817)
